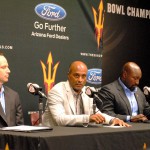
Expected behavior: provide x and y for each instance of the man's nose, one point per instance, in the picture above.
(80, 78)
(8, 70)
(137, 82)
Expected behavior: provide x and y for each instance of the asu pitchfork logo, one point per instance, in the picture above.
(99, 22)
(49, 73)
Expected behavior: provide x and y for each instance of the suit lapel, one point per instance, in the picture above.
(7, 106)
(126, 101)
(70, 97)
(124, 98)
(2, 112)
(87, 103)
(138, 102)
(71, 102)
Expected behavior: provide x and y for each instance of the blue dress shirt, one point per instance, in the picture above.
(2, 98)
(132, 100)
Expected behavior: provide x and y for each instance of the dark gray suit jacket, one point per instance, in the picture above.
(115, 102)
(14, 114)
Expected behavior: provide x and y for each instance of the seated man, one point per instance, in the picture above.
(123, 98)
(68, 105)
(11, 113)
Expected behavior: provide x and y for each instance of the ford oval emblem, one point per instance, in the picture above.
(50, 11)
(94, 76)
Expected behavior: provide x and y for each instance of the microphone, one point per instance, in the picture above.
(146, 90)
(35, 89)
(92, 93)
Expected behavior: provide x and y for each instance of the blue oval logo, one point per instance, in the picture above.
(94, 76)
(50, 11)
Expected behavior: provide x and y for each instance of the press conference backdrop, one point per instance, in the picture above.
(41, 38)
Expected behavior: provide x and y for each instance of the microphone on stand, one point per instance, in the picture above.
(92, 93)
(35, 89)
(146, 90)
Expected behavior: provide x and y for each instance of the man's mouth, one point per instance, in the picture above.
(79, 85)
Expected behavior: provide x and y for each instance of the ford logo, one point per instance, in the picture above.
(94, 76)
(50, 11)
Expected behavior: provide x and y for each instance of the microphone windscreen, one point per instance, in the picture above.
(88, 91)
(28, 85)
(32, 87)
(146, 90)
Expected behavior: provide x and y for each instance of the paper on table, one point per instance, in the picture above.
(95, 125)
(26, 128)
(113, 126)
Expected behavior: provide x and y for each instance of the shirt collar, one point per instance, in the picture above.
(2, 89)
(125, 88)
(75, 93)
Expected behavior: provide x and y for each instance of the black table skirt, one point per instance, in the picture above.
(136, 137)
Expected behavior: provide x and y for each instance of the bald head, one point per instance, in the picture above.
(77, 65)
(131, 67)
(77, 75)
(131, 74)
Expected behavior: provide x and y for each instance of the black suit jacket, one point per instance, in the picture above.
(115, 102)
(14, 114)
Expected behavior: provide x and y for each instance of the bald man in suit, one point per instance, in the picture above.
(68, 104)
(10, 107)
(123, 98)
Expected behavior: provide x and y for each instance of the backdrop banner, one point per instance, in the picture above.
(41, 38)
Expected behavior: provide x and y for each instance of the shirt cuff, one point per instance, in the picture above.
(128, 118)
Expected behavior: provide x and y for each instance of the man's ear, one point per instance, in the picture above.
(68, 75)
(124, 74)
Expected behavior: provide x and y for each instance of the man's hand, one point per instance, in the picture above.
(98, 118)
(138, 118)
(119, 122)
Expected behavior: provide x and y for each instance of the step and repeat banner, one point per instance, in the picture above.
(41, 38)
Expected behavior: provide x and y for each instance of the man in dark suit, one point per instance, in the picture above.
(10, 107)
(123, 98)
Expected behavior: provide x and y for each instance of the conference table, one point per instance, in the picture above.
(136, 137)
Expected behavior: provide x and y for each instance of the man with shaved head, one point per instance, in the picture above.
(123, 98)
(68, 105)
